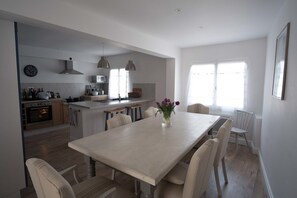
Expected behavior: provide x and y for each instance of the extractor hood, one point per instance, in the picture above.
(69, 67)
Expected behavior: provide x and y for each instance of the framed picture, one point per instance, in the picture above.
(280, 65)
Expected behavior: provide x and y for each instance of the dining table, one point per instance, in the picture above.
(145, 149)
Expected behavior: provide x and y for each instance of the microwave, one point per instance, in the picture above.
(99, 79)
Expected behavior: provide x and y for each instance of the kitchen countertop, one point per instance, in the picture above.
(108, 103)
(34, 101)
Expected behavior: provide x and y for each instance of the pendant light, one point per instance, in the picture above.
(103, 63)
(130, 66)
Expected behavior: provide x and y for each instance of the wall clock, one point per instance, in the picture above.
(30, 70)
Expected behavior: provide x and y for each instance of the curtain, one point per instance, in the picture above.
(118, 83)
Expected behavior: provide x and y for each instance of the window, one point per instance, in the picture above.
(220, 86)
(118, 83)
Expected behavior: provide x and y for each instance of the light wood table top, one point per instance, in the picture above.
(144, 149)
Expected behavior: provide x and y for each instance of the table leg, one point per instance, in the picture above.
(91, 168)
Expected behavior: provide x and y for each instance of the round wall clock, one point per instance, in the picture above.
(30, 70)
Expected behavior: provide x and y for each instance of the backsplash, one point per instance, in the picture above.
(148, 89)
(65, 89)
(78, 89)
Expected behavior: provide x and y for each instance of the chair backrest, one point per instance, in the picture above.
(48, 183)
(151, 111)
(199, 169)
(118, 120)
(243, 119)
(223, 137)
(198, 108)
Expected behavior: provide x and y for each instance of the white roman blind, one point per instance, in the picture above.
(118, 83)
(220, 86)
(231, 85)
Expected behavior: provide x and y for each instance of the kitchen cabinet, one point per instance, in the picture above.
(57, 111)
(66, 113)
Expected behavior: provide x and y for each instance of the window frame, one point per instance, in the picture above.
(214, 105)
(127, 83)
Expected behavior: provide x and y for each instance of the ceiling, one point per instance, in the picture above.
(67, 41)
(185, 23)
(199, 22)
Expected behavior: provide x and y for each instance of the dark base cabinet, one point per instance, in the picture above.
(42, 114)
(57, 107)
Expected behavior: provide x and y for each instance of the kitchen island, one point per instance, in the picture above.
(88, 118)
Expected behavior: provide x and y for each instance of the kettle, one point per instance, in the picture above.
(43, 95)
(95, 93)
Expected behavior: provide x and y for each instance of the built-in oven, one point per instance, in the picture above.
(37, 114)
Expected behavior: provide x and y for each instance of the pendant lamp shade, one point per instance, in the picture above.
(103, 63)
(130, 66)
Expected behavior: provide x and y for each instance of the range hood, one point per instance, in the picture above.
(69, 68)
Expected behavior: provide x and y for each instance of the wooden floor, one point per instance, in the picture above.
(245, 178)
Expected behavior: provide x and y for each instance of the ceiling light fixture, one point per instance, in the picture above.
(130, 66)
(103, 63)
(178, 10)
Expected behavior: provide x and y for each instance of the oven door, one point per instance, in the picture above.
(39, 114)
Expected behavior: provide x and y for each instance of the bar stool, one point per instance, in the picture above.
(132, 110)
(110, 113)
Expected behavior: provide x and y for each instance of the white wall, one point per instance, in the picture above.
(279, 126)
(50, 63)
(149, 69)
(12, 177)
(171, 79)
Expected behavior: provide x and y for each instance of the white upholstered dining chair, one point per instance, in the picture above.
(48, 183)
(241, 124)
(118, 120)
(190, 181)
(223, 137)
(198, 108)
(151, 111)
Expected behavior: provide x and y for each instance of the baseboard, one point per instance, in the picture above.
(255, 150)
(29, 133)
(266, 181)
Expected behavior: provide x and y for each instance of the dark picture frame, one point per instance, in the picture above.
(280, 64)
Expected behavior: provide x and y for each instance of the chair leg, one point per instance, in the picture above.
(113, 173)
(132, 115)
(247, 144)
(140, 113)
(217, 180)
(224, 170)
(106, 118)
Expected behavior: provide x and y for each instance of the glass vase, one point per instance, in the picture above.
(166, 120)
